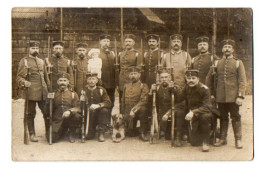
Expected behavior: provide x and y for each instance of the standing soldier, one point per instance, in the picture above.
(108, 66)
(179, 61)
(151, 59)
(80, 67)
(204, 60)
(60, 64)
(197, 98)
(134, 103)
(99, 106)
(230, 91)
(129, 57)
(37, 84)
(66, 110)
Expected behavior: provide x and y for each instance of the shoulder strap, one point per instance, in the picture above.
(26, 63)
(72, 95)
(100, 91)
(136, 54)
(113, 53)
(216, 63)
(192, 60)
(145, 54)
(237, 64)
(211, 58)
(68, 62)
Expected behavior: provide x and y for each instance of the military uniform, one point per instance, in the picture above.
(60, 65)
(150, 63)
(136, 95)
(198, 101)
(66, 100)
(37, 92)
(108, 73)
(81, 69)
(231, 84)
(101, 116)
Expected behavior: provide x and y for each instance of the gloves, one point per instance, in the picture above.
(94, 106)
(66, 114)
(239, 101)
(189, 116)
(132, 114)
(27, 84)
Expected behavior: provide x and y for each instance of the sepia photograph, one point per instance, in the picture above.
(132, 84)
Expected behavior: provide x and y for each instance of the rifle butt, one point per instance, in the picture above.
(50, 128)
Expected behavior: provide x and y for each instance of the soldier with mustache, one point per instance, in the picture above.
(179, 61)
(60, 64)
(230, 92)
(38, 85)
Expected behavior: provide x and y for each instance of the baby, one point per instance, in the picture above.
(94, 63)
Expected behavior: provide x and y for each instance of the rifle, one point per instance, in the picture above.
(142, 61)
(88, 113)
(116, 64)
(51, 95)
(188, 42)
(26, 112)
(171, 85)
(74, 65)
(83, 105)
(155, 126)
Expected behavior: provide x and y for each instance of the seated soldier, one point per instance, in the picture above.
(99, 105)
(197, 97)
(65, 112)
(134, 104)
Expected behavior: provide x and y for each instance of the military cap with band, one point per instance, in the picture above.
(82, 45)
(91, 74)
(134, 69)
(34, 43)
(64, 75)
(202, 39)
(192, 72)
(61, 43)
(104, 36)
(152, 36)
(129, 36)
(176, 36)
(228, 42)
(164, 70)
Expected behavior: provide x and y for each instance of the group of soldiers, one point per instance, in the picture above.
(191, 93)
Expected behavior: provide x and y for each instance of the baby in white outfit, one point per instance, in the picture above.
(95, 63)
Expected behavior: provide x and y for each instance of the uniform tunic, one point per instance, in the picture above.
(150, 63)
(38, 78)
(231, 79)
(101, 116)
(81, 81)
(179, 61)
(60, 65)
(127, 58)
(198, 101)
(203, 62)
(108, 69)
(64, 101)
(163, 100)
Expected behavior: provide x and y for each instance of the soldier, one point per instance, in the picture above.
(80, 67)
(129, 57)
(60, 63)
(197, 98)
(230, 91)
(204, 60)
(66, 110)
(179, 61)
(108, 66)
(38, 85)
(151, 59)
(134, 103)
(99, 107)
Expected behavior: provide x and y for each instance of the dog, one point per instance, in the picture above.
(118, 128)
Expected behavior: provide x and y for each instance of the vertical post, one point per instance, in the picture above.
(179, 28)
(61, 24)
(228, 20)
(122, 27)
(214, 37)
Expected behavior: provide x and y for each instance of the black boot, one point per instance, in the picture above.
(72, 136)
(143, 136)
(238, 133)
(177, 141)
(223, 133)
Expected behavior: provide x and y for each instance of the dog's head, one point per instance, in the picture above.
(117, 120)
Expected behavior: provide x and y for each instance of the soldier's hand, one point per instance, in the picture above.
(94, 106)
(132, 114)
(66, 114)
(212, 97)
(189, 116)
(27, 84)
(165, 117)
(239, 101)
(51, 95)
(153, 87)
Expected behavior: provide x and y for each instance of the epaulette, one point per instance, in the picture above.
(204, 86)
(68, 62)
(72, 94)
(136, 54)
(100, 90)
